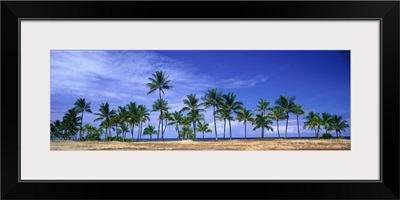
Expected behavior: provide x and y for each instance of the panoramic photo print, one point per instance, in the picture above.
(199, 100)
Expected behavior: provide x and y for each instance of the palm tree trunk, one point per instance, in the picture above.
(230, 129)
(245, 129)
(262, 128)
(215, 124)
(262, 132)
(194, 130)
(337, 135)
(298, 129)
(287, 121)
(224, 127)
(80, 131)
(161, 114)
(132, 130)
(277, 127)
(116, 130)
(141, 130)
(105, 134)
(159, 126)
(151, 137)
(138, 133)
(165, 128)
(318, 132)
(203, 135)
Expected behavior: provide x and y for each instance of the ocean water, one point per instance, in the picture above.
(236, 138)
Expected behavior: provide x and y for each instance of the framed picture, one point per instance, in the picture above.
(154, 96)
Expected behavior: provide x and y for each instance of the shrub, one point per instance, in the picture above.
(341, 137)
(326, 136)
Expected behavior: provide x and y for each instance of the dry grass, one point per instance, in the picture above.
(268, 144)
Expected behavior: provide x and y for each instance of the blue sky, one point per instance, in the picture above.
(320, 81)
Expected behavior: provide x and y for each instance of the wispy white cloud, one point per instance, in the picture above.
(240, 82)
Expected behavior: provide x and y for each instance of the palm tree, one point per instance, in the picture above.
(186, 131)
(277, 114)
(193, 106)
(310, 122)
(230, 105)
(133, 116)
(298, 110)
(203, 127)
(91, 132)
(55, 129)
(150, 130)
(262, 122)
(81, 106)
(160, 105)
(176, 118)
(317, 122)
(143, 116)
(326, 120)
(338, 125)
(214, 99)
(105, 114)
(159, 82)
(314, 122)
(122, 120)
(287, 104)
(165, 117)
(71, 123)
(115, 121)
(263, 108)
(223, 115)
(124, 129)
(244, 116)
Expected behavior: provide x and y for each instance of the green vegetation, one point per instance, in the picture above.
(189, 119)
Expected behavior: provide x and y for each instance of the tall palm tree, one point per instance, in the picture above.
(124, 129)
(71, 123)
(81, 106)
(159, 82)
(326, 120)
(298, 110)
(105, 115)
(176, 118)
(287, 104)
(160, 104)
(262, 122)
(165, 117)
(223, 115)
(143, 116)
(277, 114)
(133, 116)
(338, 125)
(244, 116)
(193, 107)
(230, 105)
(263, 107)
(317, 122)
(214, 99)
(203, 127)
(186, 131)
(149, 130)
(310, 122)
(115, 121)
(122, 120)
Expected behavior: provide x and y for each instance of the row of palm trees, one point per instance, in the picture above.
(224, 107)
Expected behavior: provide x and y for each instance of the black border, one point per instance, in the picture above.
(386, 11)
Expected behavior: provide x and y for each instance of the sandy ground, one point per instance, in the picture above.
(334, 144)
